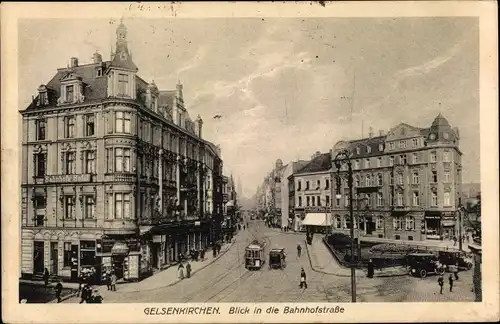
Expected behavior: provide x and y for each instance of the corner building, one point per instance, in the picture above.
(115, 174)
(407, 183)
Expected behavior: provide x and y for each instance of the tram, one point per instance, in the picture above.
(254, 255)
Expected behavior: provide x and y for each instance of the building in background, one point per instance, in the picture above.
(115, 173)
(312, 184)
(288, 194)
(269, 195)
(407, 183)
(230, 205)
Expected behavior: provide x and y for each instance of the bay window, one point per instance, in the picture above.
(122, 122)
(122, 160)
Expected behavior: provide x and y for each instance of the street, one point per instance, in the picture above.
(227, 280)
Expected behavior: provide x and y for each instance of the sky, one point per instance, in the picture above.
(285, 87)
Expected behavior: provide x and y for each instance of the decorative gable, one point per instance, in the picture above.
(402, 131)
(72, 89)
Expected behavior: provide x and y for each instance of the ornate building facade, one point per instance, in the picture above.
(115, 174)
(407, 184)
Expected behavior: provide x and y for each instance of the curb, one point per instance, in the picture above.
(192, 273)
(54, 301)
(296, 233)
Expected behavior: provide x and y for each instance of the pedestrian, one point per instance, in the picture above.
(454, 240)
(108, 279)
(181, 271)
(214, 250)
(59, 288)
(450, 280)
(202, 255)
(96, 298)
(303, 283)
(81, 283)
(456, 271)
(188, 270)
(85, 293)
(441, 283)
(243, 227)
(46, 276)
(218, 248)
(247, 224)
(371, 269)
(299, 250)
(113, 281)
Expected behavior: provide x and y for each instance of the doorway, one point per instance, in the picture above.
(117, 261)
(370, 225)
(38, 259)
(53, 257)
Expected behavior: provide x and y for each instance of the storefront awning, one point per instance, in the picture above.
(119, 248)
(145, 229)
(317, 219)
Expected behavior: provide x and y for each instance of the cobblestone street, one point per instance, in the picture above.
(227, 280)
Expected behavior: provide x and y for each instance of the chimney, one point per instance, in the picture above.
(381, 132)
(74, 62)
(370, 132)
(97, 58)
(199, 126)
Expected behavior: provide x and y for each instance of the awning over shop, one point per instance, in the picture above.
(119, 248)
(144, 229)
(317, 219)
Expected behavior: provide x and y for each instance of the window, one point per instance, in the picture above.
(90, 162)
(446, 176)
(358, 150)
(308, 201)
(40, 204)
(368, 181)
(67, 254)
(70, 162)
(400, 179)
(433, 156)
(327, 183)
(415, 177)
(89, 125)
(399, 197)
(122, 160)
(391, 146)
(379, 222)
(446, 156)
(109, 202)
(381, 147)
(70, 93)
(89, 207)
(299, 185)
(347, 221)
(346, 200)
(307, 185)
(434, 176)
(369, 149)
(447, 200)
(391, 161)
(122, 122)
(312, 200)
(318, 184)
(380, 200)
(122, 205)
(99, 72)
(391, 178)
(410, 223)
(70, 127)
(391, 199)
(356, 181)
(402, 159)
(327, 200)
(337, 202)
(123, 84)
(397, 223)
(402, 144)
(415, 158)
(40, 130)
(379, 162)
(300, 201)
(380, 179)
(68, 207)
(356, 164)
(367, 163)
(40, 163)
(338, 222)
(434, 198)
(416, 199)
(415, 142)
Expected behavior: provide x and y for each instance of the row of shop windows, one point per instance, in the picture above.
(398, 223)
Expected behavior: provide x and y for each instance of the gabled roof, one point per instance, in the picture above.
(322, 162)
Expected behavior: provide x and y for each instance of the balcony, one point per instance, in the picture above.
(120, 177)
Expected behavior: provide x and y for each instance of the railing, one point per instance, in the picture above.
(119, 177)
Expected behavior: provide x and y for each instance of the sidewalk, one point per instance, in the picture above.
(289, 232)
(322, 260)
(34, 288)
(445, 244)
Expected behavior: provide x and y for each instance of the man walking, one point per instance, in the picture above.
(299, 250)
(59, 288)
(303, 283)
(450, 280)
(441, 283)
(113, 281)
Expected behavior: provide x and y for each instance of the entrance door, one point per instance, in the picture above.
(74, 262)
(118, 265)
(370, 225)
(38, 260)
(154, 255)
(53, 257)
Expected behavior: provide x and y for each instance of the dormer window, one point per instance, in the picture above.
(123, 84)
(42, 99)
(98, 72)
(358, 150)
(381, 147)
(70, 93)
(368, 149)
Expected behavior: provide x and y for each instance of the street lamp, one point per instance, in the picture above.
(342, 157)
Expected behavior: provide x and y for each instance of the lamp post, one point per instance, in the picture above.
(342, 157)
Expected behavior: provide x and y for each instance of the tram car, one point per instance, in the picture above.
(254, 255)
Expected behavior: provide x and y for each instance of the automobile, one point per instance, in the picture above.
(277, 258)
(421, 264)
(464, 260)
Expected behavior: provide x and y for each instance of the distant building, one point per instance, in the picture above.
(407, 183)
(312, 185)
(288, 194)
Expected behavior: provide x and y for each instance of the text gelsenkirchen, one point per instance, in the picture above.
(181, 310)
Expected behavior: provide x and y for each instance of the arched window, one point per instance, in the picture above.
(379, 179)
(368, 180)
(338, 222)
(356, 181)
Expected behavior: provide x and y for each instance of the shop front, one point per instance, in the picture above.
(318, 221)
(121, 255)
(432, 228)
(448, 224)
